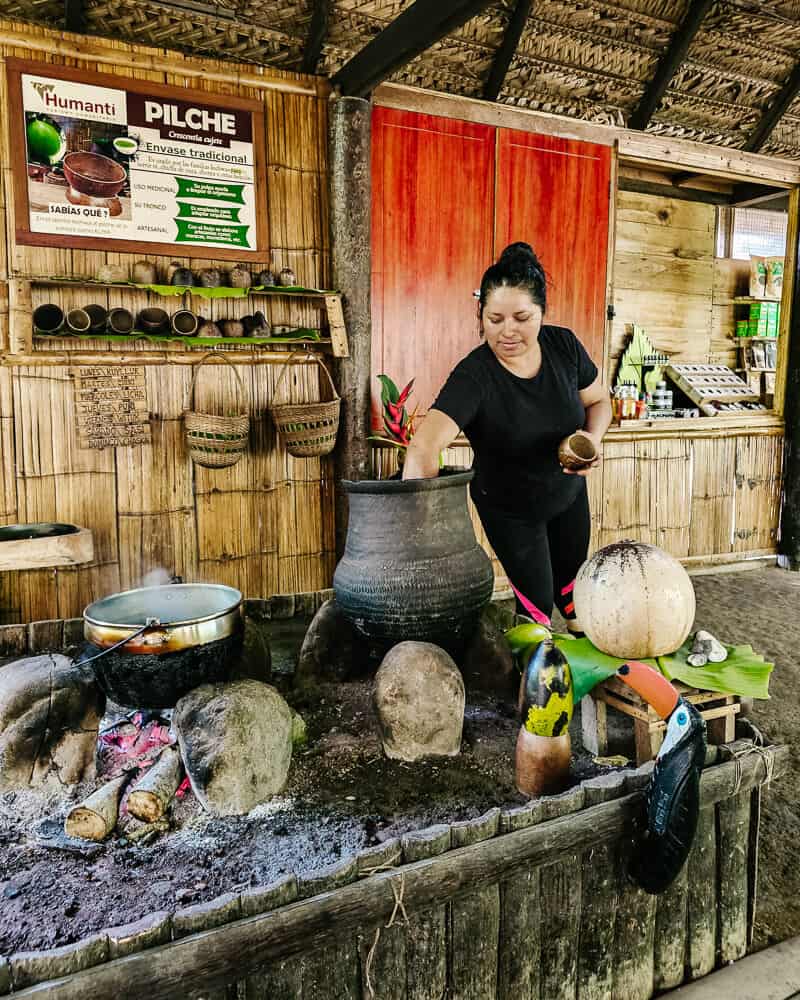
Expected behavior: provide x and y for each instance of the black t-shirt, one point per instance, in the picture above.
(515, 425)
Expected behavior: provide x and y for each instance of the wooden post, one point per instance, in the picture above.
(351, 252)
(789, 397)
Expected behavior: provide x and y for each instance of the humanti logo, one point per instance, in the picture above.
(44, 88)
(54, 102)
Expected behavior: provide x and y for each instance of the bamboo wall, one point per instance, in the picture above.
(264, 526)
(708, 495)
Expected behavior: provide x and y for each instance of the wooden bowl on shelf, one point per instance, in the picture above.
(153, 320)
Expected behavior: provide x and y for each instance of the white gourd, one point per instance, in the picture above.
(633, 600)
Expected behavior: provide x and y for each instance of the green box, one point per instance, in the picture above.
(742, 328)
(759, 314)
(773, 319)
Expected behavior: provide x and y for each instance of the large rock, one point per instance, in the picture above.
(487, 664)
(50, 711)
(419, 697)
(236, 743)
(332, 649)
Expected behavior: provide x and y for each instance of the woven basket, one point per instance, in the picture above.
(214, 441)
(307, 429)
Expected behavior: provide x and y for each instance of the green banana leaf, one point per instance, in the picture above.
(588, 665)
(745, 672)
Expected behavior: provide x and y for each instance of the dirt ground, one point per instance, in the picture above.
(762, 607)
(343, 795)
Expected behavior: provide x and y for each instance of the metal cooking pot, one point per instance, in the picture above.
(151, 646)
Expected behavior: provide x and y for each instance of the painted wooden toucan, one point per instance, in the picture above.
(673, 793)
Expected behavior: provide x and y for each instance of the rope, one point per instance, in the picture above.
(766, 754)
(399, 907)
(384, 866)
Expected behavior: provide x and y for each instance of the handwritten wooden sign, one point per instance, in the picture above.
(111, 406)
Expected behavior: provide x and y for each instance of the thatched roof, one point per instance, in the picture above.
(590, 59)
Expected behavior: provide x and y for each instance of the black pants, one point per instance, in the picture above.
(541, 558)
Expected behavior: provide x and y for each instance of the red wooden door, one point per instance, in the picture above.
(432, 224)
(554, 194)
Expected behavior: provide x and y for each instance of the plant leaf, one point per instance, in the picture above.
(526, 634)
(389, 390)
(745, 672)
(588, 665)
(407, 391)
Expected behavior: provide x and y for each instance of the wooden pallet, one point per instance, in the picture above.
(718, 710)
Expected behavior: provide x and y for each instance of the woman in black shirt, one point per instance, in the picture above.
(516, 397)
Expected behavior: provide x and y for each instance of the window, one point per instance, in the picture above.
(756, 232)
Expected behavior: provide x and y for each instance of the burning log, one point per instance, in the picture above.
(149, 799)
(96, 817)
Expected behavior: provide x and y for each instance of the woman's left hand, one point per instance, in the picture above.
(598, 447)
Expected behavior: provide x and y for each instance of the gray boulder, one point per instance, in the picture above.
(50, 711)
(419, 698)
(236, 744)
(487, 664)
(332, 649)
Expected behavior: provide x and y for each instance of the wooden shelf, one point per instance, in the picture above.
(178, 290)
(129, 338)
(745, 300)
(21, 311)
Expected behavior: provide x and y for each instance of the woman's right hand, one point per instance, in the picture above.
(435, 433)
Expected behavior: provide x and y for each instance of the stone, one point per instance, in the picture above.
(255, 662)
(263, 898)
(149, 931)
(31, 967)
(419, 698)
(332, 649)
(205, 916)
(299, 731)
(236, 743)
(487, 664)
(50, 712)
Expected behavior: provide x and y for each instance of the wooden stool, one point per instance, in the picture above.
(719, 711)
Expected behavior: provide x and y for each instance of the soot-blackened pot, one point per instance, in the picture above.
(412, 566)
(194, 637)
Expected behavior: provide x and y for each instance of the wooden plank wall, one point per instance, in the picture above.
(668, 280)
(265, 525)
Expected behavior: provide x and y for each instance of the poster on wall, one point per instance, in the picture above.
(111, 160)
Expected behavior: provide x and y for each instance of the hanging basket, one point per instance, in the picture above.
(215, 441)
(307, 429)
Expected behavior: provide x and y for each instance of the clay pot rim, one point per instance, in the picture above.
(445, 479)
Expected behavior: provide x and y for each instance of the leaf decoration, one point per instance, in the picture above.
(745, 672)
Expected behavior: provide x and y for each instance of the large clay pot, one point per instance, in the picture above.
(412, 567)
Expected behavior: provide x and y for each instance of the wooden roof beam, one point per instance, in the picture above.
(774, 112)
(504, 55)
(75, 16)
(670, 61)
(413, 31)
(316, 36)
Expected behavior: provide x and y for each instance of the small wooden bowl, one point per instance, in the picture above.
(153, 320)
(577, 451)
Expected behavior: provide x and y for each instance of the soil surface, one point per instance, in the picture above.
(762, 607)
(343, 794)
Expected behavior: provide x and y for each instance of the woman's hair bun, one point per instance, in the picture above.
(517, 267)
(517, 251)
